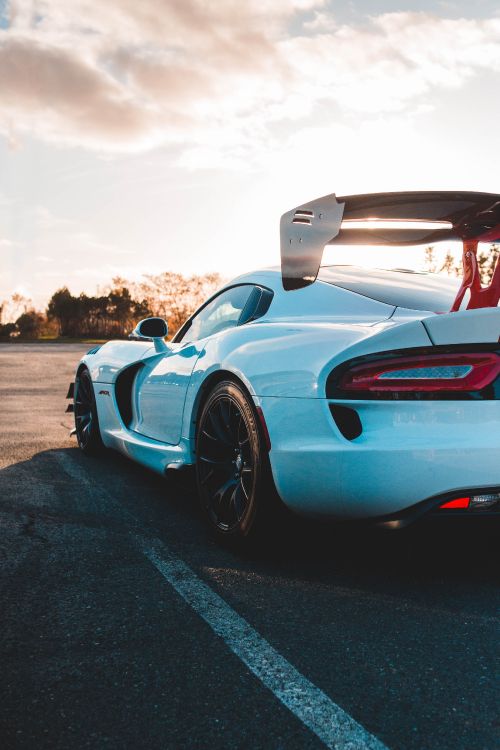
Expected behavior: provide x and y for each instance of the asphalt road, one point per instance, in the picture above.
(99, 650)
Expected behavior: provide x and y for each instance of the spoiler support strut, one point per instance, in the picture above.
(487, 296)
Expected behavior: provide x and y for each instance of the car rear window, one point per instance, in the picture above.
(410, 289)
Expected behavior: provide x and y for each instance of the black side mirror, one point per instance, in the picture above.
(152, 329)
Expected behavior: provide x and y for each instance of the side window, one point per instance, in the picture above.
(222, 312)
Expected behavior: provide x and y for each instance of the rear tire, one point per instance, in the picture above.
(233, 474)
(88, 433)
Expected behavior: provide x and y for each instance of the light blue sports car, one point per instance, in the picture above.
(337, 391)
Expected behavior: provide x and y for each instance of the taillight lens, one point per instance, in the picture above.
(424, 373)
(474, 502)
(459, 503)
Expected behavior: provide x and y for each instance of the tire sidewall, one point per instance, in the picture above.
(94, 444)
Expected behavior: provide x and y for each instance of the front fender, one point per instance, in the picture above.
(107, 362)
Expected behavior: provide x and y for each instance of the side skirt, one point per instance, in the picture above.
(157, 456)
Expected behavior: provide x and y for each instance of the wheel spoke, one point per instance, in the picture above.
(207, 477)
(240, 501)
(225, 415)
(218, 428)
(235, 421)
(216, 462)
(232, 512)
(220, 497)
(244, 489)
(223, 488)
(227, 505)
(210, 437)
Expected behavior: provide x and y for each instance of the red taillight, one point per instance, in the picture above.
(459, 502)
(429, 372)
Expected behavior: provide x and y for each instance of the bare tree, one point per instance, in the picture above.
(486, 259)
(15, 306)
(450, 265)
(430, 259)
(171, 295)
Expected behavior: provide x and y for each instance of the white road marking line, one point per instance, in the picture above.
(334, 727)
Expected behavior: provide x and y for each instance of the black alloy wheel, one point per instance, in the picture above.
(86, 421)
(232, 466)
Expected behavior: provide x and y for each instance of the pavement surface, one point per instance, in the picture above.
(99, 650)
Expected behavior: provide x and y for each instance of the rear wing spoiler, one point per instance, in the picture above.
(402, 219)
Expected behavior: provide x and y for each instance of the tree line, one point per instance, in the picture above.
(114, 312)
(110, 314)
(449, 264)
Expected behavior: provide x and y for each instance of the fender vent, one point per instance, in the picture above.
(123, 391)
(347, 420)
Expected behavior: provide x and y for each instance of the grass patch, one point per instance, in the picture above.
(52, 340)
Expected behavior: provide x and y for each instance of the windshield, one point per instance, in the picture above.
(403, 288)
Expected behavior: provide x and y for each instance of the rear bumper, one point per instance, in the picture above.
(408, 453)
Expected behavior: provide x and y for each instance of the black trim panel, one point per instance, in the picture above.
(123, 391)
(347, 421)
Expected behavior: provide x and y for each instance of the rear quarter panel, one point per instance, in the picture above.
(290, 360)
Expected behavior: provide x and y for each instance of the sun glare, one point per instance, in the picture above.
(411, 257)
(398, 224)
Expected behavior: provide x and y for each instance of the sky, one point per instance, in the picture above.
(142, 137)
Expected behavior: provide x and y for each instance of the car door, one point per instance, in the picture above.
(161, 385)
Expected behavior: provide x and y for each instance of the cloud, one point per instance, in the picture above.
(122, 74)
(214, 77)
(397, 60)
(65, 96)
